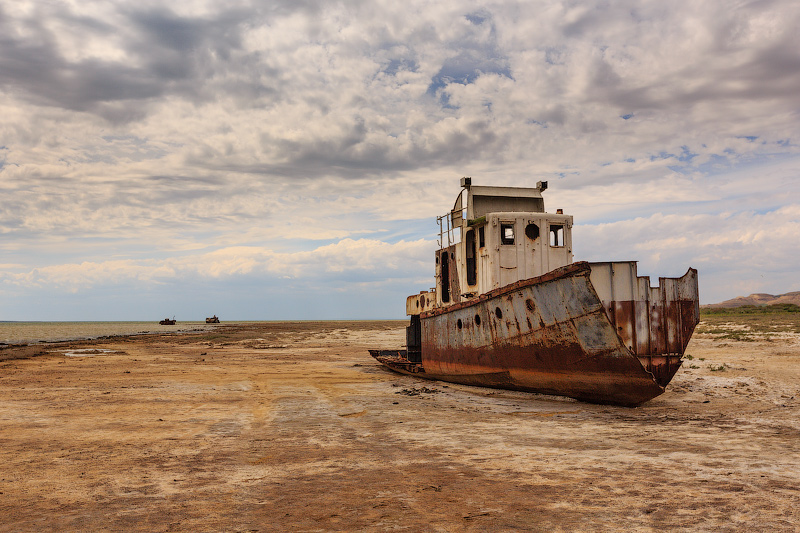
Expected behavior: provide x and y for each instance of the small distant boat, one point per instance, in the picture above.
(212, 320)
(168, 322)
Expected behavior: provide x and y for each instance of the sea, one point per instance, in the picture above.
(42, 332)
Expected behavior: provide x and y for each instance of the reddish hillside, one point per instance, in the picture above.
(760, 299)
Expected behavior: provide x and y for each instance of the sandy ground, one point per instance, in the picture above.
(292, 426)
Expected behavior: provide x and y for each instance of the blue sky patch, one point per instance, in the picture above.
(398, 65)
(661, 156)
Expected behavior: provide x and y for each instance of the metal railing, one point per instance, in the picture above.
(447, 231)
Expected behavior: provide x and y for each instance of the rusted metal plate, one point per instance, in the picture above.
(553, 334)
(655, 323)
(550, 336)
(658, 343)
(449, 289)
(419, 303)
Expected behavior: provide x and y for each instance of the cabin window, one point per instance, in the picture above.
(556, 235)
(469, 241)
(481, 236)
(532, 231)
(506, 233)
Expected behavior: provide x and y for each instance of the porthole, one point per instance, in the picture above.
(477, 320)
(422, 300)
(459, 324)
(532, 231)
(498, 313)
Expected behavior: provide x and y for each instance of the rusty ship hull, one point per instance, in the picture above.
(553, 334)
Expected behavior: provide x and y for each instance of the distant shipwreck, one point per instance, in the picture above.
(512, 310)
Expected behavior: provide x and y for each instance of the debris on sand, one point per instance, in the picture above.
(413, 391)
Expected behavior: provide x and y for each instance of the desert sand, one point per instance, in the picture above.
(293, 426)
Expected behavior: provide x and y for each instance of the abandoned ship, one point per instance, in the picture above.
(511, 309)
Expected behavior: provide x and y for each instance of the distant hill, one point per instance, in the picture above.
(758, 299)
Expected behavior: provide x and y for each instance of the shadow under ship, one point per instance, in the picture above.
(512, 310)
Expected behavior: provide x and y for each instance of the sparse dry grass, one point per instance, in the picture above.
(748, 328)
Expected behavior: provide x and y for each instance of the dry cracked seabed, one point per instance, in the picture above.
(292, 426)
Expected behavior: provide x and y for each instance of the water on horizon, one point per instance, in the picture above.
(37, 332)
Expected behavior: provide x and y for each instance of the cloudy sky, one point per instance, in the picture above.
(286, 159)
